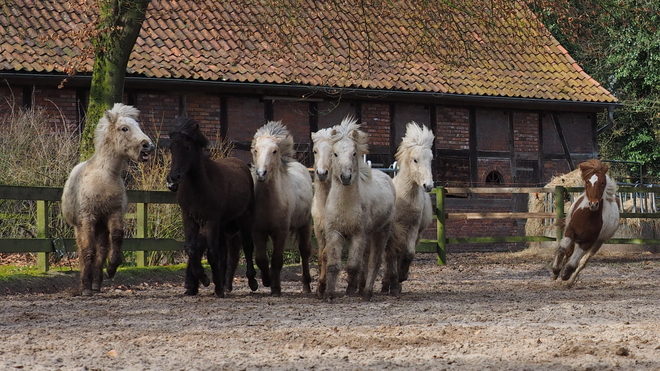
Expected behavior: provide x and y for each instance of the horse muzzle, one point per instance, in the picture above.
(261, 175)
(147, 148)
(322, 175)
(172, 185)
(346, 179)
(593, 206)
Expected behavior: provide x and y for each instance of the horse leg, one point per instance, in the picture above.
(101, 246)
(233, 252)
(116, 230)
(321, 264)
(564, 250)
(84, 240)
(305, 247)
(248, 251)
(390, 275)
(575, 258)
(217, 256)
(375, 248)
(260, 240)
(355, 263)
(334, 242)
(195, 246)
(279, 241)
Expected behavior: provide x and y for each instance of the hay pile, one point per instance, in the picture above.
(628, 228)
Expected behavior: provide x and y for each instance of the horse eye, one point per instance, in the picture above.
(415, 160)
(354, 154)
(124, 128)
(274, 151)
(315, 152)
(336, 155)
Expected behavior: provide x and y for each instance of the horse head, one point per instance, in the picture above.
(187, 144)
(119, 132)
(349, 144)
(595, 181)
(415, 155)
(322, 153)
(272, 146)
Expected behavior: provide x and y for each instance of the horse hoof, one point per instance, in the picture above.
(87, 292)
(110, 271)
(275, 292)
(253, 284)
(307, 288)
(204, 279)
(190, 292)
(219, 292)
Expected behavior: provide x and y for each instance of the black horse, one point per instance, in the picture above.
(217, 204)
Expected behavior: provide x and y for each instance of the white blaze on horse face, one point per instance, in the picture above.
(136, 143)
(593, 180)
(265, 156)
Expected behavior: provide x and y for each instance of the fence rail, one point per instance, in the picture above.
(45, 244)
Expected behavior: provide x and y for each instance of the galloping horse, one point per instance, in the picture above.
(322, 140)
(591, 220)
(359, 208)
(413, 204)
(283, 192)
(217, 206)
(94, 198)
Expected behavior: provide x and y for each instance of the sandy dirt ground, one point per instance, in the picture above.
(482, 311)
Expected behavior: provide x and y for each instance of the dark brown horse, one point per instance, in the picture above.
(217, 205)
(591, 220)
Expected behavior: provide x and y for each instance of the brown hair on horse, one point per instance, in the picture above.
(217, 206)
(591, 220)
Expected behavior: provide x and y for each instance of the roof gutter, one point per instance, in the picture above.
(610, 120)
(307, 91)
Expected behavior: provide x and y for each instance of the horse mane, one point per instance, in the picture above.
(190, 128)
(280, 135)
(416, 136)
(591, 167)
(348, 126)
(322, 134)
(111, 117)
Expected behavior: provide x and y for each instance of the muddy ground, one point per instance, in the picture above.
(482, 311)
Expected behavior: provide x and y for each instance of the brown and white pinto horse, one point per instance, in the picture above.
(591, 220)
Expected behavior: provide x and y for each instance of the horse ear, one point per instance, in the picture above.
(355, 135)
(605, 168)
(334, 132)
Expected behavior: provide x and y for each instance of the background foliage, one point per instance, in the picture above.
(617, 42)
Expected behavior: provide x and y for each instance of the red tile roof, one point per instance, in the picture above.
(325, 43)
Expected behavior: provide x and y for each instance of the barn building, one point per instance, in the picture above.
(508, 107)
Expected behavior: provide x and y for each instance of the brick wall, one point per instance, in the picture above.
(526, 132)
(453, 128)
(245, 115)
(206, 110)
(157, 112)
(295, 115)
(59, 105)
(376, 122)
(332, 113)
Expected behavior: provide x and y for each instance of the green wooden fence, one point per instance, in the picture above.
(45, 244)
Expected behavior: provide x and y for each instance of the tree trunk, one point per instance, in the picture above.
(120, 22)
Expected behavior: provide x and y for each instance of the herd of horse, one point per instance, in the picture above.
(228, 206)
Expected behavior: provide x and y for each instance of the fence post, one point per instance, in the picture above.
(141, 256)
(440, 214)
(42, 232)
(559, 211)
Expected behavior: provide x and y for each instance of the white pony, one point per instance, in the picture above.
(94, 198)
(360, 209)
(283, 195)
(413, 204)
(322, 140)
